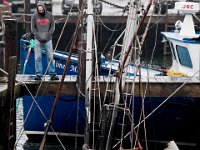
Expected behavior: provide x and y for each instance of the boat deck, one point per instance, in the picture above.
(156, 86)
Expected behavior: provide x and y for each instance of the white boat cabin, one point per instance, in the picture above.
(185, 42)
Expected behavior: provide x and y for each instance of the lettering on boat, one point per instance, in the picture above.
(72, 68)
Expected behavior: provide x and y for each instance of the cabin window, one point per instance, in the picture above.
(184, 56)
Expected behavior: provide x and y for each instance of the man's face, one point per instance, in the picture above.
(41, 10)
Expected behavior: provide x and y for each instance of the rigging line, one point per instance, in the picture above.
(196, 17)
(113, 30)
(129, 51)
(113, 52)
(146, 29)
(30, 110)
(126, 56)
(21, 130)
(155, 43)
(110, 37)
(96, 64)
(137, 38)
(118, 90)
(138, 69)
(175, 91)
(142, 116)
(79, 91)
(33, 97)
(133, 39)
(44, 90)
(62, 31)
(144, 93)
(63, 77)
(96, 85)
(140, 88)
(132, 97)
(158, 20)
(124, 115)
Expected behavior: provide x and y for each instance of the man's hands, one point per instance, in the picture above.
(43, 36)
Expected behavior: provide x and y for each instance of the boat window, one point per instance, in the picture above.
(172, 49)
(184, 56)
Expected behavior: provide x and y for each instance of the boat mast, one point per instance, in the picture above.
(89, 43)
(131, 28)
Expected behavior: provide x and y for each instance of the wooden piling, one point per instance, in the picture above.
(8, 109)
(2, 117)
(10, 130)
(2, 58)
(10, 39)
(27, 8)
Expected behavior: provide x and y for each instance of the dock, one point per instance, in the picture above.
(156, 86)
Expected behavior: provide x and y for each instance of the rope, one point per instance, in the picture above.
(113, 30)
(125, 8)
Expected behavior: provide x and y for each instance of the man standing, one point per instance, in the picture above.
(42, 26)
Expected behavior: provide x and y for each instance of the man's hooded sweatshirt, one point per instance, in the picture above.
(42, 25)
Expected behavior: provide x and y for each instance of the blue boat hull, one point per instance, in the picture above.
(175, 120)
(69, 116)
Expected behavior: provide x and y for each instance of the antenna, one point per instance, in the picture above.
(188, 8)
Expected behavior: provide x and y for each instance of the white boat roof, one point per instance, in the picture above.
(177, 36)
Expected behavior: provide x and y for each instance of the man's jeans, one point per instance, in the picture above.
(48, 47)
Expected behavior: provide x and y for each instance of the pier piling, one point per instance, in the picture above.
(10, 39)
(8, 108)
(9, 63)
(11, 104)
(2, 59)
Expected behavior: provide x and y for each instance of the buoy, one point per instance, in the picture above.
(171, 146)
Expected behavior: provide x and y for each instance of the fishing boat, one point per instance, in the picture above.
(121, 119)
